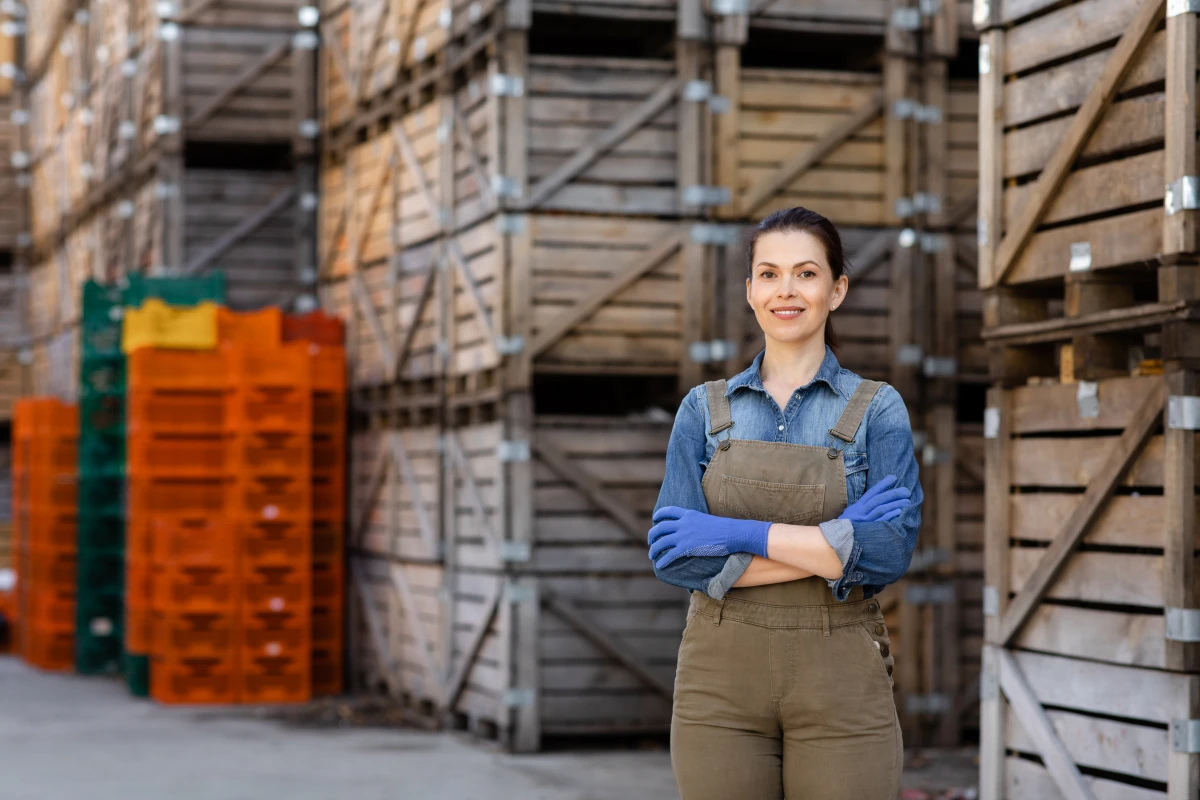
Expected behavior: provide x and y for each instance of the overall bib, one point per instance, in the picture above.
(781, 690)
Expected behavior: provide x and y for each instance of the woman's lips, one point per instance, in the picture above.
(787, 313)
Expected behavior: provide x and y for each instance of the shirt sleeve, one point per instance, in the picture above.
(880, 552)
(681, 487)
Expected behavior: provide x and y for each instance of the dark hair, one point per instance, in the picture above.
(800, 219)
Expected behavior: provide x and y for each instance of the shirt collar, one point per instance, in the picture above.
(751, 377)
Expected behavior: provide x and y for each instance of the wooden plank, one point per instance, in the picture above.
(557, 460)
(383, 653)
(1181, 233)
(1149, 14)
(998, 469)
(250, 73)
(432, 672)
(1130, 443)
(1179, 574)
(1027, 779)
(399, 454)
(605, 142)
(457, 682)
(239, 232)
(812, 155)
(607, 642)
(1033, 717)
(601, 294)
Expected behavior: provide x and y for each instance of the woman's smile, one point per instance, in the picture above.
(787, 312)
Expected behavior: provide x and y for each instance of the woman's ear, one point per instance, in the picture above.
(748, 293)
(840, 288)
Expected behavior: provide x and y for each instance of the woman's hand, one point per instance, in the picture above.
(679, 532)
(880, 503)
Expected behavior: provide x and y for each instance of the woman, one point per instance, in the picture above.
(783, 687)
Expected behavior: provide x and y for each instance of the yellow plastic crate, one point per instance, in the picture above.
(157, 324)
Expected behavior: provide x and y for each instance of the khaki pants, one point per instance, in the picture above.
(785, 702)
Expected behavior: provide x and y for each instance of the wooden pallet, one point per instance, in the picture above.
(520, 598)
(1079, 133)
(1090, 538)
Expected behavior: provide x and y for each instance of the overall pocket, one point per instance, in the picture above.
(876, 632)
(790, 503)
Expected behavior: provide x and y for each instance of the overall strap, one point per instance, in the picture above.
(718, 407)
(852, 416)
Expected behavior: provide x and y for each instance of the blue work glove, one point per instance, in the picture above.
(679, 532)
(880, 503)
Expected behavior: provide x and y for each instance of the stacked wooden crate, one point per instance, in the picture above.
(882, 140)
(1091, 680)
(167, 138)
(514, 243)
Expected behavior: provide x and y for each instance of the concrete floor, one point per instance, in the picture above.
(69, 738)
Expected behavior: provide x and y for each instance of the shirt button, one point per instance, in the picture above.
(780, 427)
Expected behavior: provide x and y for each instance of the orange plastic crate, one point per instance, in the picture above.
(139, 535)
(259, 328)
(48, 649)
(268, 453)
(41, 416)
(193, 587)
(328, 453)
(193, 680)
(326, 672)
(137, 630)
(253, 366)
(329, 494)
(316, 327)
(178, 496)
(276, 542)
(53, 570)
(184, 634)
(328, 366)
(329, 413)
(275, 679)
(270, 499)
(50, 608)
(52, 495)
(49, 530)
(54, 454)
(180, 540)
(176, 455)
(176, 370)
(276, 633)
(269, 408)
(328, 536)
(175, 412)
(328, 624)
(270, 587)
(138, 579)
(328, 580)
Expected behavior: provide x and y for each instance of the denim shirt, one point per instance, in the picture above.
(873, 554)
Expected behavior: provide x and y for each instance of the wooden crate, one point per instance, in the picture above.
(543, 615)
(1085, 117)
(1090, 549)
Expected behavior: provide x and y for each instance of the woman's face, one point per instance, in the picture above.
(791, 287)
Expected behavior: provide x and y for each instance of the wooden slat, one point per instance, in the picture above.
(1149, 14)
(433, 673)
(757, 195)
(1033, 717)
(240, 231)
(383, 653)
(458, 680)
(558, 461)
(607, 642)
(1128, 446)
(603, 143)
(250, 73)
(404, 466)
(364, 507)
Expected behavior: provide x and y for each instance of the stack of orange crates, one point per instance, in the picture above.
(325, 336)
(181, 581)
(269, 501)
(45, 436)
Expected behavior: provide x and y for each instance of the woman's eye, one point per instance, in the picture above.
(766, 273)
(808, 273)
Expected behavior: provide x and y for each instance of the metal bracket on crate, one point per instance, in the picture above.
(719, 104)
(1182, 194)
(515, 551)
(168, 32)
(19, 117)
(504, 186)
(925, 201)
(989, 685)
(991, 601)
(697, 91)
(518, 593)
(501, 85)
(714, 234)
(1185, 735)
(510, 345)
(909, 355)
(934, 703)
(981, 231)
(519, 698)
(19, 159)
(707, 352)
(1183, 624)
(906, 19)
(980, 13)
(730, 8)
(930, 8)
(933, 242)
(1087, 397)
(309, 128)
(1177, 7)
(985, 59)
(933, 456)
(305, 40)
(929, 594)
(512, 450)
(24, 239)
(1183, 412)
(940, 366)
(904, 207)
(510, 224)
(991, 423)
(309, 16)
(165, 125)
(706, 195)
(929, 557)
(1081, 257)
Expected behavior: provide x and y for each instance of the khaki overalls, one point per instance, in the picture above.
(781, 690)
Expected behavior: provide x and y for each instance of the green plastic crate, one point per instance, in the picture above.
(99, 572)
(101, 494)
(99, 632)
(137, 674)
(102, 454)
(103, 374)
(174, 291)
(99, 531)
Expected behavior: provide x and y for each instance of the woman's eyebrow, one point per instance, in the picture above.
(797, 264)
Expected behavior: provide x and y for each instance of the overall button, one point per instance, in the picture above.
(873, 607)
(879, 629)
(884, 650)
